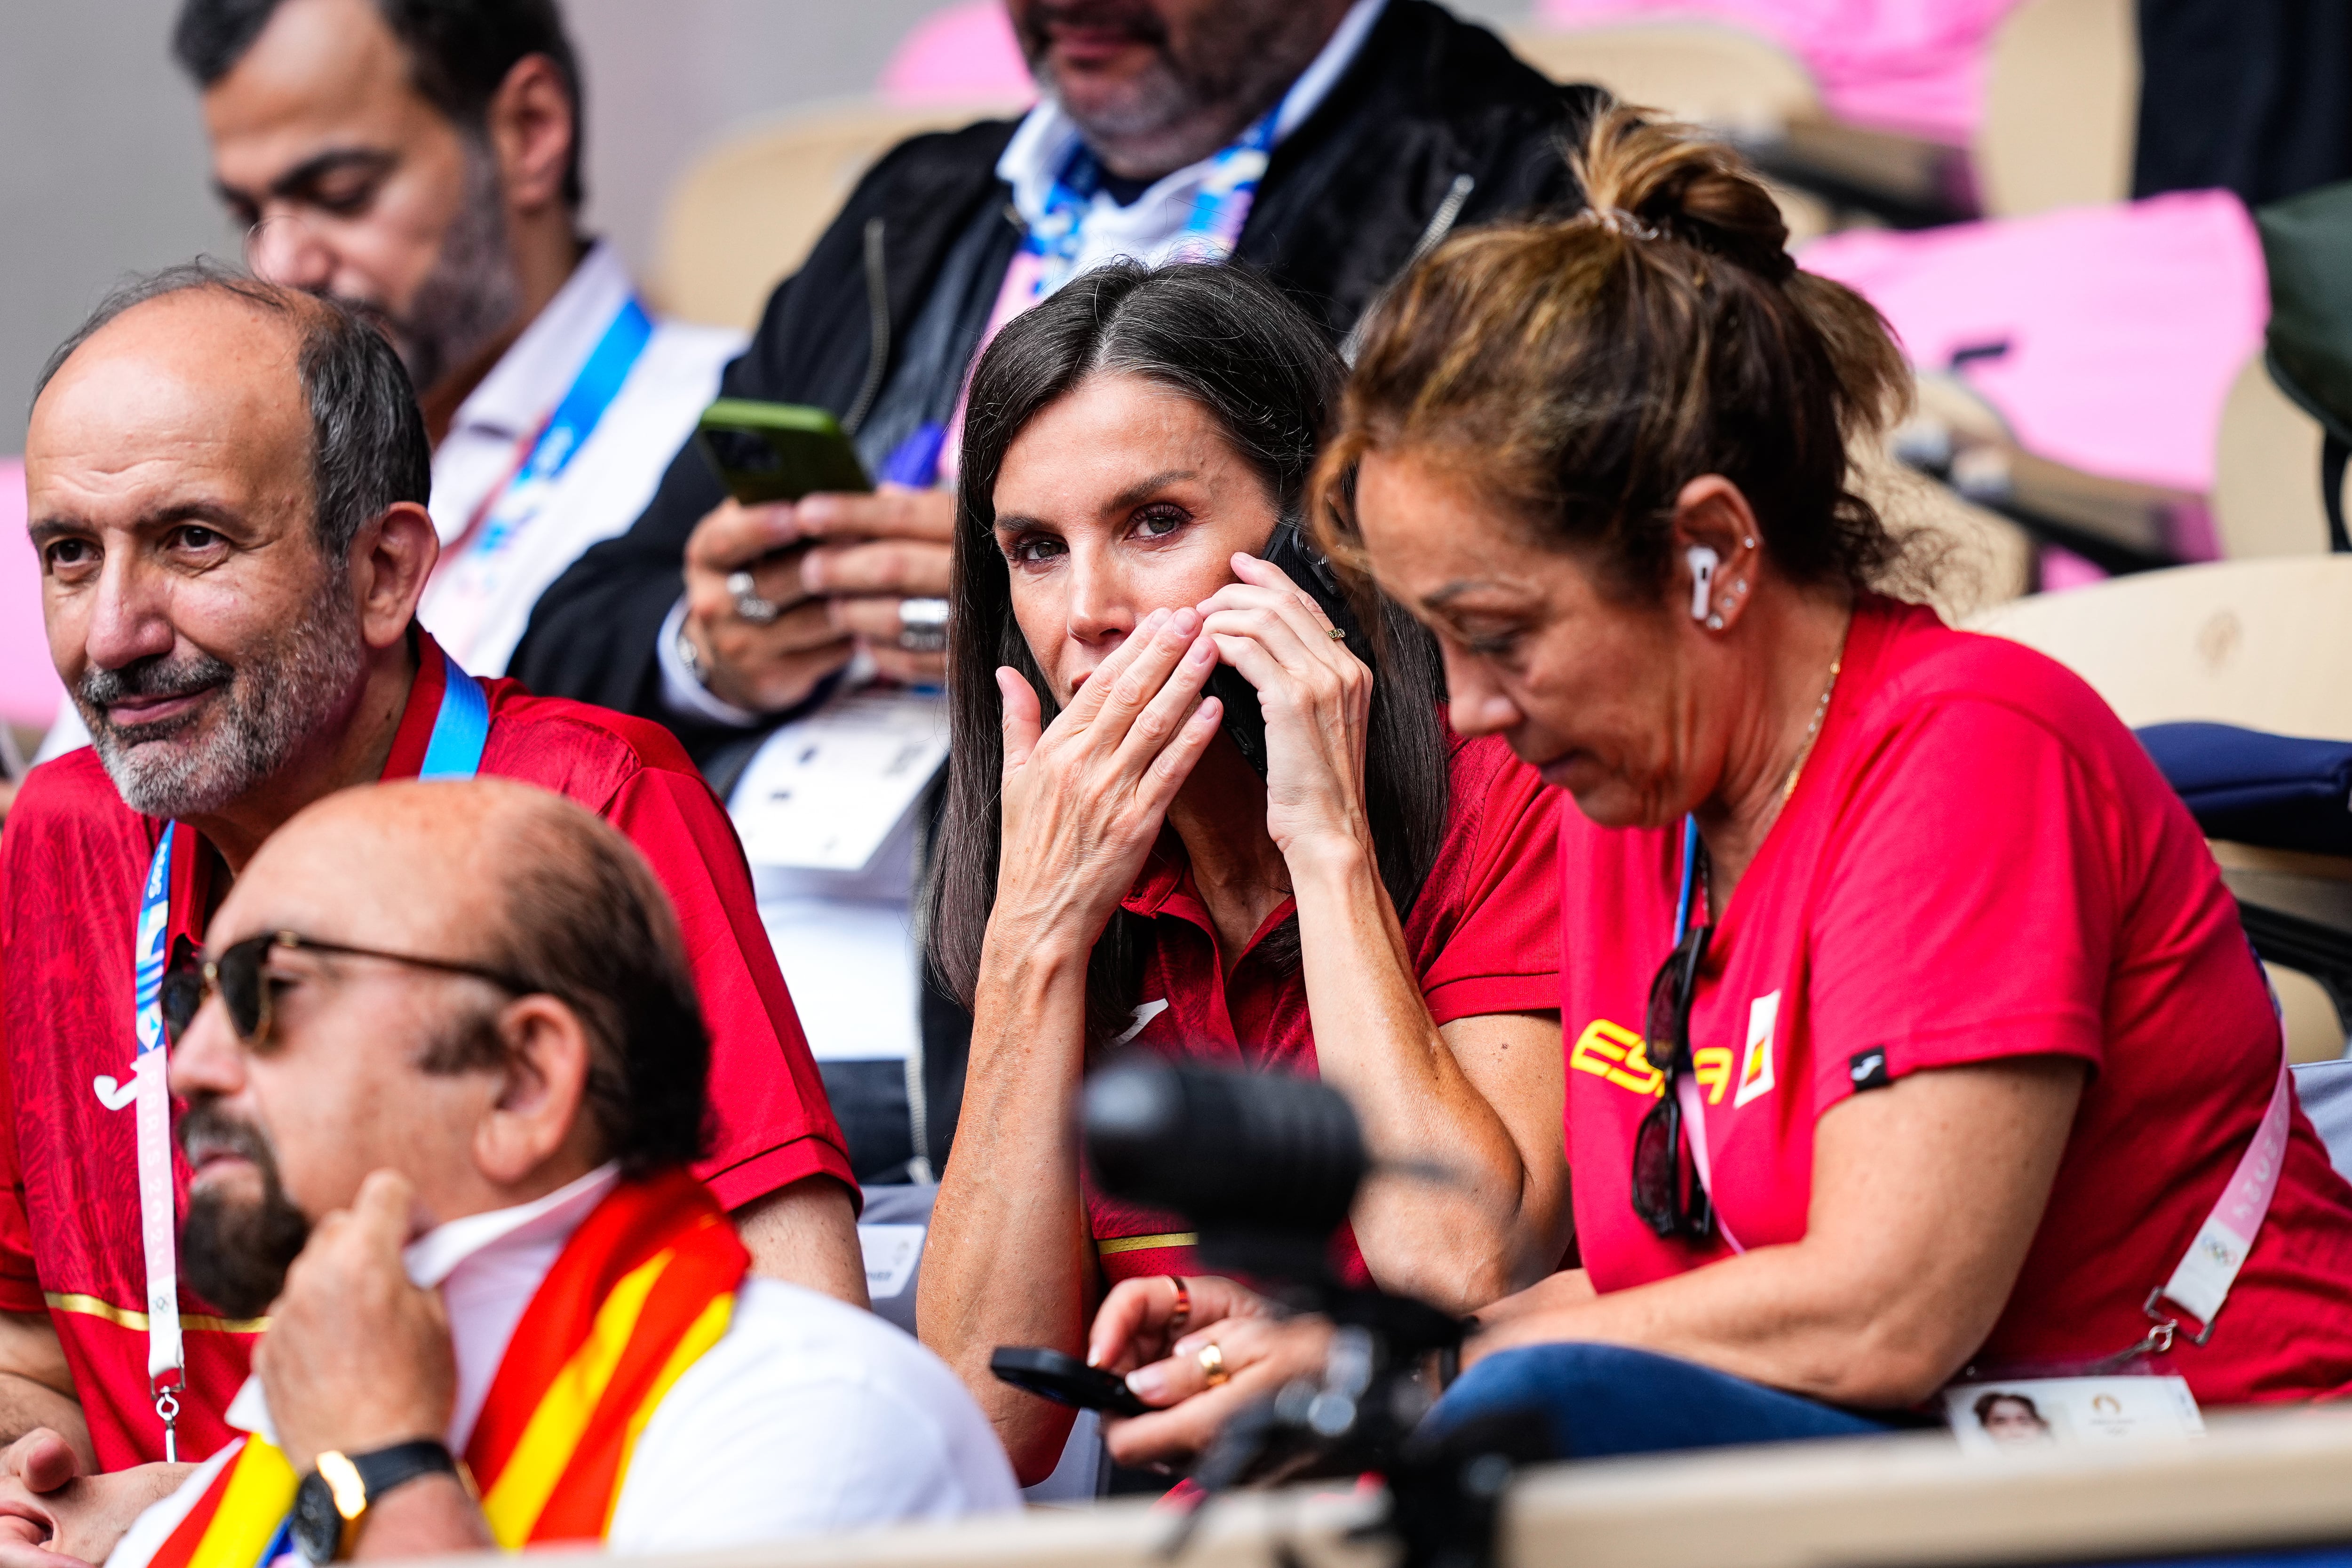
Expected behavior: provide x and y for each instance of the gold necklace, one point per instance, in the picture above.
(1812, 730)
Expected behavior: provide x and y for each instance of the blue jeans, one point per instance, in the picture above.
(1599, 1400)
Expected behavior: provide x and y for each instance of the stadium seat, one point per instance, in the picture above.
(2261, 644)
(744, 214)
(28, 684)
(2061, 108)
(2266, 496)
(1706, 74)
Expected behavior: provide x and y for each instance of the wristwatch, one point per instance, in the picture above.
(330, 1499)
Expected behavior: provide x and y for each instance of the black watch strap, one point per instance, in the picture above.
(385, 1469)
(332, 1498)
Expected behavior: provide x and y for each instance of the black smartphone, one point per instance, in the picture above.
(766, 452)
(1244, 719)
(1065, 1379)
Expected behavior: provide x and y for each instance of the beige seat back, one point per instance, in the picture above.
(2264, 644)
(1733, 80)
(2062, 107)
(1707, 75)
(2266, 495)
(746, 212)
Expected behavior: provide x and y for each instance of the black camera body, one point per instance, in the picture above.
(1265, 1169)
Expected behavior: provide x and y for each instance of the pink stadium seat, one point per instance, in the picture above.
(2125, 324)
(28, 686)
(1912, 66)
(964, 52)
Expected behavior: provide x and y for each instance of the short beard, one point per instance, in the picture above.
(236, 1255)
(473, 293)
(1238, 59)
(285, 694)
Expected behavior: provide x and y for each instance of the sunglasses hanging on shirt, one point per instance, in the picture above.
(1668, 1192)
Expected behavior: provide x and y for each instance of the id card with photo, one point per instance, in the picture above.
(2035, 1413)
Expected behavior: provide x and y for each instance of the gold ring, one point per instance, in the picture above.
(1181, 1312)
(1335, 634)
(1213, 1365)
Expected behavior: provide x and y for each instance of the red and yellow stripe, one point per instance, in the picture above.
(642, 1289)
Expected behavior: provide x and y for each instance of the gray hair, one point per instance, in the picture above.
(368, 450)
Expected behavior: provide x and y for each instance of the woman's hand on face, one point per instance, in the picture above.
(1317, 695)
(1084, 799)
(1257, 1356)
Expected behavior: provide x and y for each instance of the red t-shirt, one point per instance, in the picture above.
(1482, 936)
(72, 862)
(1980, 862)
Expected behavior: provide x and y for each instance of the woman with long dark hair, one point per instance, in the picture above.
(1111, 868)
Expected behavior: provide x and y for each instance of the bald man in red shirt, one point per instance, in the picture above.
(228, 486)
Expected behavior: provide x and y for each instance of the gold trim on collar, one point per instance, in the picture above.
(1147, 1243)
(124, 1317)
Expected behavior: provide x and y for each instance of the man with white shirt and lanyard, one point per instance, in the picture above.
(424, 160)
(227, 482)
(1323, 141)
(444, 1068)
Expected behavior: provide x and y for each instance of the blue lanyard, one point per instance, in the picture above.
(1210, 230)
(1690, 878)
(454, 751)
(568, 429)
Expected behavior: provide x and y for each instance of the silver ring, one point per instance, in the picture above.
(759, 612)
(923, 626)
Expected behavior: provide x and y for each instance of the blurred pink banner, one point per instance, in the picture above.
(1912, 66)
(2124, 325)
(28, 684)
(964, 52)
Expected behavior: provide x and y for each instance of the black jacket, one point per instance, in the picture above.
(1349, 197)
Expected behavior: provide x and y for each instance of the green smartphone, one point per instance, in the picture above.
(777, 451)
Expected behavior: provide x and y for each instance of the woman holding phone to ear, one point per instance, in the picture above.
(1379, 907)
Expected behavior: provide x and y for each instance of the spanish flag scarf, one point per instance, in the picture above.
(644, 1287)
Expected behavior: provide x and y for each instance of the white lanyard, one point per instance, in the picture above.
(455, 751)
(2200, 1281)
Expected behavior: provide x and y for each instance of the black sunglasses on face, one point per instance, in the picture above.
(1668, 1203)
(242, 976)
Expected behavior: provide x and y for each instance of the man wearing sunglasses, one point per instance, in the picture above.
(227, 482)
(443, 1070)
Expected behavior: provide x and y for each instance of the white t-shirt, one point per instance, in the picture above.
(808, 1415)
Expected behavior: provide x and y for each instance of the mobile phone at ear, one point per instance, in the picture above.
(1065, 1379)
(765, 452)
(1244, 716)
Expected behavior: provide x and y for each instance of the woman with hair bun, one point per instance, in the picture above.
(1909, 1029)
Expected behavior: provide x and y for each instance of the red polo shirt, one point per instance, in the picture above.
(72, 861)
(1483, 935)
(1979, 864)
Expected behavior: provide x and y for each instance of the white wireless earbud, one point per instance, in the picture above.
(1703, 562)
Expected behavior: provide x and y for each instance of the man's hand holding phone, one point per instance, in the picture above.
(835, 568)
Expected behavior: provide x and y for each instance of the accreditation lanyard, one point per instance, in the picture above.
(1048, 256)
(2199, 1282)
(455, 751)
(477, 564)
(1687, 1093)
